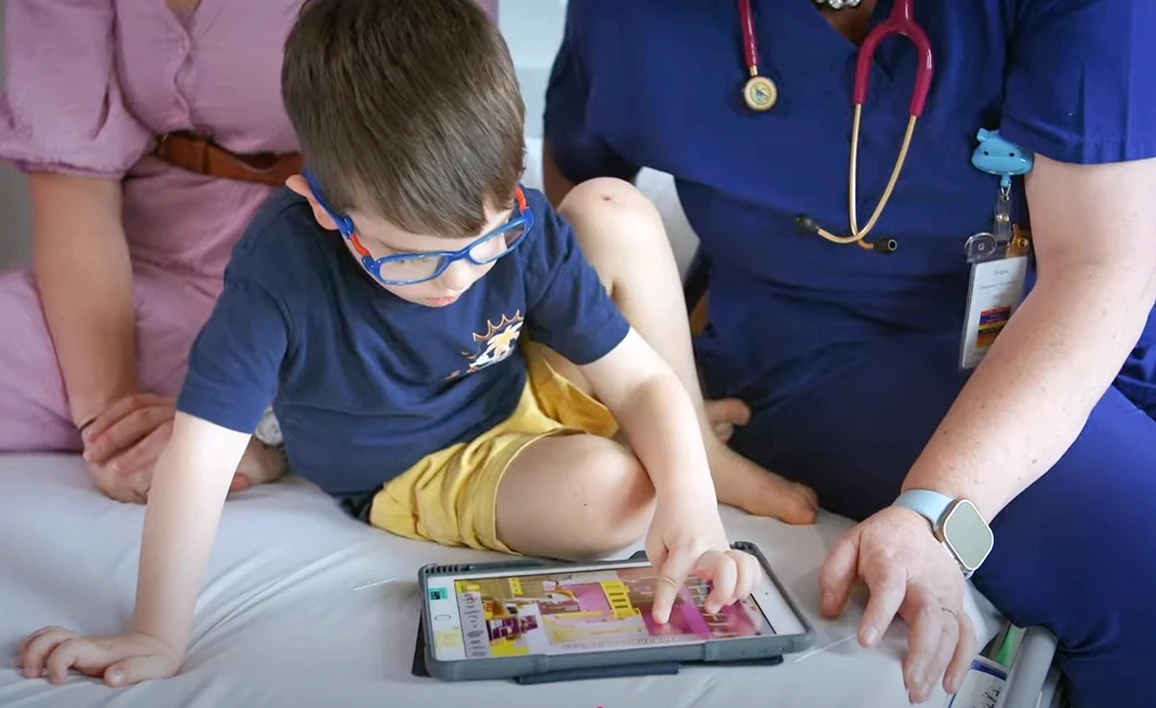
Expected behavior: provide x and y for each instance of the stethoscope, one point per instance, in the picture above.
(761, 94)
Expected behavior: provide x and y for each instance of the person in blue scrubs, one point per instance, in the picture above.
(849, 358)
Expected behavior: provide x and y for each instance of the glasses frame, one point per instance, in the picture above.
(522, 217)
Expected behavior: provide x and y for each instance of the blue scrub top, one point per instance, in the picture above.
(657, 83)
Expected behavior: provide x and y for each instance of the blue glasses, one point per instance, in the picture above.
(414, 268)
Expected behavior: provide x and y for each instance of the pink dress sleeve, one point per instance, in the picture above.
(63, 110)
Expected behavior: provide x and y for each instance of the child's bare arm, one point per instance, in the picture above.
(658, 418)
(184, 506)
(180, 524)
(655, 413)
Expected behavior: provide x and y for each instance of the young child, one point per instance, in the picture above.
(399, 304)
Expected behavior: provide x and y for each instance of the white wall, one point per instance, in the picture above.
(15, 219)
(533, 30)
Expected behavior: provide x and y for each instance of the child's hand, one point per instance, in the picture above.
(120, 661)
(686, 537)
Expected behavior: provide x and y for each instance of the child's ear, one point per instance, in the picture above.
(301, 186)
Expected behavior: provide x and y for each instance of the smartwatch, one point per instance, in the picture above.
(957, 524)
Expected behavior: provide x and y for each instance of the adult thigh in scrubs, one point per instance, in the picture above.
(850, 357)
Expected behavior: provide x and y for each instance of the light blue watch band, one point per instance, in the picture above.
(955, 523)
(928, 504)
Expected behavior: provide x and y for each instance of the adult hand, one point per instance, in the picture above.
(908, 572)
(686, 537)
(122, 444)
(120, 661)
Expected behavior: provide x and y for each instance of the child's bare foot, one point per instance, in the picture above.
(743, 484)
(724, 414)
(260, 464)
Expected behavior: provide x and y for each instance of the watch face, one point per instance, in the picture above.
(967, 534)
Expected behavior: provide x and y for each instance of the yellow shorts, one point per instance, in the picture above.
(451, 496)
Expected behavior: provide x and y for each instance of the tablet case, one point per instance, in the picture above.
(665, 668)
(649, 668)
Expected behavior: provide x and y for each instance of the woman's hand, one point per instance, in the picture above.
(686, 537)
(119, 661)
(123, 443)
(908, 572)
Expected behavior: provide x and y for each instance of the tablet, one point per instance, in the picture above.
(515, 619)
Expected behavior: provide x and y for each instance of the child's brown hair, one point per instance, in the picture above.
(408, 109)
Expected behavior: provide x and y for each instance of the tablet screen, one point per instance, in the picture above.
(522, 612)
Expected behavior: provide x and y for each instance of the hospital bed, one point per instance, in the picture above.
(303, 606)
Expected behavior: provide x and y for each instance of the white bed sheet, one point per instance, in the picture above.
(280, 621)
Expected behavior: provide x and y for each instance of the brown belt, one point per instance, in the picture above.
(198, 153)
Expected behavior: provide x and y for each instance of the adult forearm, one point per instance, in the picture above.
(84, 276)
(1028, 401)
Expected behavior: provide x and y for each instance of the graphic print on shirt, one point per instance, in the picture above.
(494, 345)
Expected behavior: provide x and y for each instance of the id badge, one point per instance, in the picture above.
(994, 292)
(999, 260)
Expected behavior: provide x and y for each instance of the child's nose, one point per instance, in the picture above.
(459, 276)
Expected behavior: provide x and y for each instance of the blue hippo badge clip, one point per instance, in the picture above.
(997, 156)
(998, 258)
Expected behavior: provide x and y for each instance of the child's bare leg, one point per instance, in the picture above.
(574, 497)
(621, 234)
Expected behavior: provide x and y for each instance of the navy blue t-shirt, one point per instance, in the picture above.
(363, 383)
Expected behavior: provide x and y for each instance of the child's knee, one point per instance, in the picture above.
(605, 194)
(610, 214)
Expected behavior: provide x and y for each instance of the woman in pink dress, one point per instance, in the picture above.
(129, 247)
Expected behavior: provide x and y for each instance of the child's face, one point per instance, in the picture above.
(383, 239)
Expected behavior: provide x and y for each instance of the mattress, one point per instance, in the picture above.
(304, 606)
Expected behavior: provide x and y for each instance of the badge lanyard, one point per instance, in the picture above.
(998, 258)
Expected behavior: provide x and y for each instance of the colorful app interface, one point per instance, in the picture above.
(563, 613)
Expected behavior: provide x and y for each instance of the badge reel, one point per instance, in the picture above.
(999, 259)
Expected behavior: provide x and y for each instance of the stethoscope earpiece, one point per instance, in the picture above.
(884, 245)
(806, 224)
